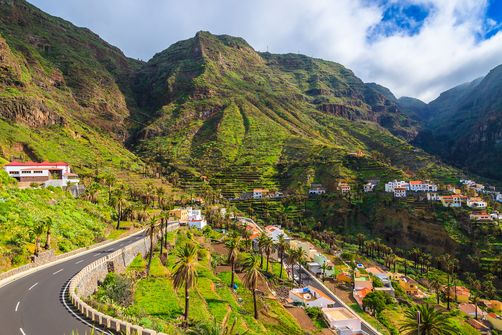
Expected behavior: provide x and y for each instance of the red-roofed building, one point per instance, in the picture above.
(47, 173)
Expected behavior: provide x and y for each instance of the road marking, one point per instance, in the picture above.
(22, 331)
(63, 297)
(32, 286)
(97, 255)
(80, 261)
(17, 305)
(58, 271)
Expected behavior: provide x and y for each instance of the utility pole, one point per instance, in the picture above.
(418, 322)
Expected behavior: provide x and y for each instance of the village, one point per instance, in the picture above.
(347, 284)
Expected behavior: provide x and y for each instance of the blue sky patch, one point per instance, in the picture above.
(493, 18)
(399, 18)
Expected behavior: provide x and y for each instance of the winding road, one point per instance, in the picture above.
(37, 304)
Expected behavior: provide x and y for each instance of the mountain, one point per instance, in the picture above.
(218, 109)
(464, 125)
(414, 108)
(64, 92)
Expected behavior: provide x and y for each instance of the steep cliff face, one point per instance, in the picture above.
(464, 125)
(55, 56)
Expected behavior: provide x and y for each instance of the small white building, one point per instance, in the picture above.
(317, 189)
(455, 200)
(343, 321)
(391, 185)
(422, 186)
(310, 297)
(260, 193)
(274, 232)
(476, 202)
(196, 219)
(399, 192)
(369, 187)
(499, 197)
(432, 196)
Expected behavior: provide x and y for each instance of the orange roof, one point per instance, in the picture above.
(416, 182)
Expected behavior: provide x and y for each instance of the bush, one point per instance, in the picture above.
(117, 288)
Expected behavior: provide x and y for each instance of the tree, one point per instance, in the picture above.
(267, 248)
(300, 256)
(160, 191)
(252, 275)
(233, 244)
(432, 322)
(262, 240)
(120, 204)
(324, 267)
(151, 231)
(48, 223)
(449, 263)
(435, 284)
(38, 231)
(375, 302)
(360, 240)
(185, 271)
(475, 293)
(110, 181)
(282, 246)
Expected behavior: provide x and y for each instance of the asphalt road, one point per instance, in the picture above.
(34, 305)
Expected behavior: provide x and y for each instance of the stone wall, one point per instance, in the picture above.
(86, 282)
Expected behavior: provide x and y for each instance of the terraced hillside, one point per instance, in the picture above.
(221, 110)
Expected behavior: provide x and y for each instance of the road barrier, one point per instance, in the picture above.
(85, 283)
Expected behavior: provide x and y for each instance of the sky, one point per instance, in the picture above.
(416, 48)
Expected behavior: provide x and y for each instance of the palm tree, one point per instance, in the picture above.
(109, 180)
(425, 320)
(476, 288)
(435, 284)
(300, 257)
(281, 246)
(324, 267)
(450, 263)
(120, 203)
(262, 240)
(151, 231)
(185, 271)
(252, 275)
(48, 224)
(38, 231)
(360, 240)
(233, 244)
(267, 248)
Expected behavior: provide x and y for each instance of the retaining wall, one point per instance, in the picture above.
(86, 282)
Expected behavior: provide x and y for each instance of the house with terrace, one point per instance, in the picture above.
(454, 200)
(480, 216)
(309, 296)
(343, 187)
(476, 202)
(317, 189)
(56, 174)
(342, 321)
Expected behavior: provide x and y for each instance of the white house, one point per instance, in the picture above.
(499, 197)
(316, 189)
(196, 219)
(343, 321)
(480, 216)
(476, 202)
(391, 185)
(259, 193)
(48, 173)
(422, 186)
(432, 196)
(274, 232)
(321, 260)
(399, 192)
(310, 297)
(369, 187)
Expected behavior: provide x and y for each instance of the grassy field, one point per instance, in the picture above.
(158, 305)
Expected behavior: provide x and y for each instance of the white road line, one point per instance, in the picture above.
(22, 331)
(80, 261)
(97, 255)
(58, 271)
(17, 305)
(63, 297)
(32, 286)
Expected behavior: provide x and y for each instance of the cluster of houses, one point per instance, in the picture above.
(260, 193)
(189, 216)
(400, 188)
(340, 319)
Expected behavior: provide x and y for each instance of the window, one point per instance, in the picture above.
(25, 172)
(39, 172)
(13, 172)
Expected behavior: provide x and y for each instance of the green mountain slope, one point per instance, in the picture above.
(464, 126)
(221, 110)
(64, 92)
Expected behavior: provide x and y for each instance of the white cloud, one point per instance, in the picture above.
(445, 52)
